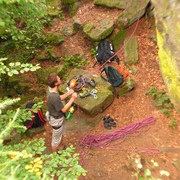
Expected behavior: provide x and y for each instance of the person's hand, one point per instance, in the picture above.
(74, 95)
(71, 91)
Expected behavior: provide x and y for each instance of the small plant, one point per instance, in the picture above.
(93, 52)
(173, 123)
(75, 60)
(162, 100)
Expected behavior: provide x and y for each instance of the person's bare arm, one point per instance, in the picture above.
(65, 95)
(68, 105)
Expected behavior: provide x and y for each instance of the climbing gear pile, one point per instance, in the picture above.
(81, 82)
(109, 122)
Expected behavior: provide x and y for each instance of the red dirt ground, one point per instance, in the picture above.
(103, 163)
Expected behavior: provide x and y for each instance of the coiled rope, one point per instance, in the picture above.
(104, 139)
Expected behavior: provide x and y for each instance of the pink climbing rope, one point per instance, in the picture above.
(104, 139)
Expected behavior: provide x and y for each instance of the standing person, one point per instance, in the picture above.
(56, 109)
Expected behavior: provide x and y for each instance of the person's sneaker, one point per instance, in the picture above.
(107, 126)
(106, 123)
(112, 123)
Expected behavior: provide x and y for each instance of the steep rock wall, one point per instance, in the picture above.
(167, 15)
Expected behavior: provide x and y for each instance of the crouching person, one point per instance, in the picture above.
(56, 109)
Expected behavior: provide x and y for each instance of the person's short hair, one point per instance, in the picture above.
(51, 80)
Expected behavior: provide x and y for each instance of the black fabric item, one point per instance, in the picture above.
(56, 127)
(109, 122)
(105, 51)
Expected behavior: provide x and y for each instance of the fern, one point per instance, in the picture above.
(7, 102)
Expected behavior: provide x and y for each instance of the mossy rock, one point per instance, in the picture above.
(118, 38)
(131, 51)
(54, 39)
(120, 4)
(133, 12)
(69, 29)
(90, 105)
(128, 85)
(73, 8)
(101, 31)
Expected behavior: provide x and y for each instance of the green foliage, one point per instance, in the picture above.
(93, 52)
(173, 123)
(32, 164)
(21, 25)
(75, 60)
(162, 100)
(16, 68)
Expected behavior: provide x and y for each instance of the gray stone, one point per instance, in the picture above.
(73, 8)
(101, 31)
(134, 11)
(129, 85)
(130, 51)
(54, 38)
(77, 23)
(120, 4)
(69, 29)
(90, 105)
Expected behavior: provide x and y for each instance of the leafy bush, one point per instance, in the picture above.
(26, 160)
(162, 100)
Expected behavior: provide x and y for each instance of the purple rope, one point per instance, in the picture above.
(104, 139)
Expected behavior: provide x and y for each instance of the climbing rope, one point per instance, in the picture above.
(104, 139)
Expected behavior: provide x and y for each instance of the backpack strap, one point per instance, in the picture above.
(104, 69)
(41, 116)
(31, 121)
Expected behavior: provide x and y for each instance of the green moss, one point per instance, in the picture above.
(168, 68)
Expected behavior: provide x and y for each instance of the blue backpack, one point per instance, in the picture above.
(113, 76)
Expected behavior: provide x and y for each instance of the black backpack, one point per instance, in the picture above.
(105, 51)
(37, 121)
(113, 76)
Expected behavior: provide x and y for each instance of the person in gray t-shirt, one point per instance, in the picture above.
(56, 109)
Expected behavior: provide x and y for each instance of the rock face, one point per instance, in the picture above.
(120, 4)
(90, 105)
(168, 40)
(130, 51)
(134, 11)
(101, 31)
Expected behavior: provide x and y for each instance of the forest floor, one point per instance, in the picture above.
(157, 142)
